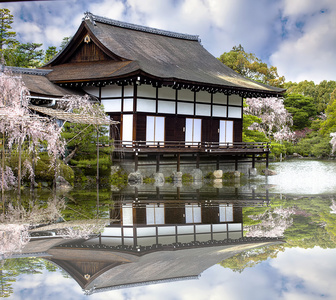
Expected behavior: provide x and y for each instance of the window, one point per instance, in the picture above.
(225, 131)
(193, 131)
(155, 130)
(193, 213)
(154, 214)
(127, 129)
(225, 213)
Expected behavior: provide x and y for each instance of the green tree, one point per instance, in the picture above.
(305, 88)
(302, 110)
(7, 36)
(49, 54)
(82, 150)
(248, 65)
(321, 93)
(251, 135)
(65, 41)
(25, 56)
(329, 125)
(324, 91)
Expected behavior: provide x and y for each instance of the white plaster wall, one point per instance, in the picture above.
(185, 108)
(235, 100)
(203, 96)
(166, 93)
(219, 111)
(111, 91)
(219, 98)
(128, 91)
(235, 112)
(91, 90)
(146, 91)
(112, 105)
(186, 95)
(166, 107)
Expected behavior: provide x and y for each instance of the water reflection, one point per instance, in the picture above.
(150, 236)
(144, 235)
(304, 177)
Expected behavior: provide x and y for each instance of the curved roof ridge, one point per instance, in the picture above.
(94, 18)
(29, 71)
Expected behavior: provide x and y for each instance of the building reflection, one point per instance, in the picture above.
(153, 238)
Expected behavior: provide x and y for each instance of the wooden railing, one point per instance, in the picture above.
(182, 146)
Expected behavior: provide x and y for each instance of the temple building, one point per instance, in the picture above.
(169, 94)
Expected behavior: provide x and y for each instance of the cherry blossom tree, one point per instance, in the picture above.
(273, 223)
(18, 124)
(22, 127)
(333, 142)
(276, 120)
(13, 238)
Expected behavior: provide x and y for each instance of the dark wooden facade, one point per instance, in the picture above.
(163, 87)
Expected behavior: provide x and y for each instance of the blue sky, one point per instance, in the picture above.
(296, 36)
(295, 274)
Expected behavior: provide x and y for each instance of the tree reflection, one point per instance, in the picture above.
(10, 269)
(304, 222)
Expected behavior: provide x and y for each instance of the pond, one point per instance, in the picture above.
(259, 238)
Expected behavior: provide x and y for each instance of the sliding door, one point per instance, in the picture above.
(193, 131)
(225, 132)
(155, 130)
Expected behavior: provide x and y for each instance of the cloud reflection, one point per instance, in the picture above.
(294, 274)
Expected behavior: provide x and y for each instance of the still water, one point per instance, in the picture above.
(263, 238)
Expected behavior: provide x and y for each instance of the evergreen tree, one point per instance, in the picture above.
(49, 54)
(7, 36)
(25, 56)
(250, 66)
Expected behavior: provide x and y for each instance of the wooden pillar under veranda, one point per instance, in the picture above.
(178, 162)
(136, 161)
(267, 155)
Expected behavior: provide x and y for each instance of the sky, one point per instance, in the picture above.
(296, 273)
(296, 36)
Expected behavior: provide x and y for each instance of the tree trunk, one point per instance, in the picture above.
(71, 155)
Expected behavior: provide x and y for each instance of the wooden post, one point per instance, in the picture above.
(3, 173)
(136, 161)
(19, 169)
(217, 162)
(32, 180)
(178, 162)
(157, 163)
(97, 176)
(253, 160)
(55, 175)
(236, 163)
(266, 160)
(197, 160)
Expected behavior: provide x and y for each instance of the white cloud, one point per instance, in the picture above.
(293, 35)
(107, 8)
(308, 272)
(308, 51)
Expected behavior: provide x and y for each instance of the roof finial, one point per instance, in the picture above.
(89, 16)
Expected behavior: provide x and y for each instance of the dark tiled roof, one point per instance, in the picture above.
(88, 71)
(162, 54)
(40, 85)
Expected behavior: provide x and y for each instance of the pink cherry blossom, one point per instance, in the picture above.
(276, 120)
